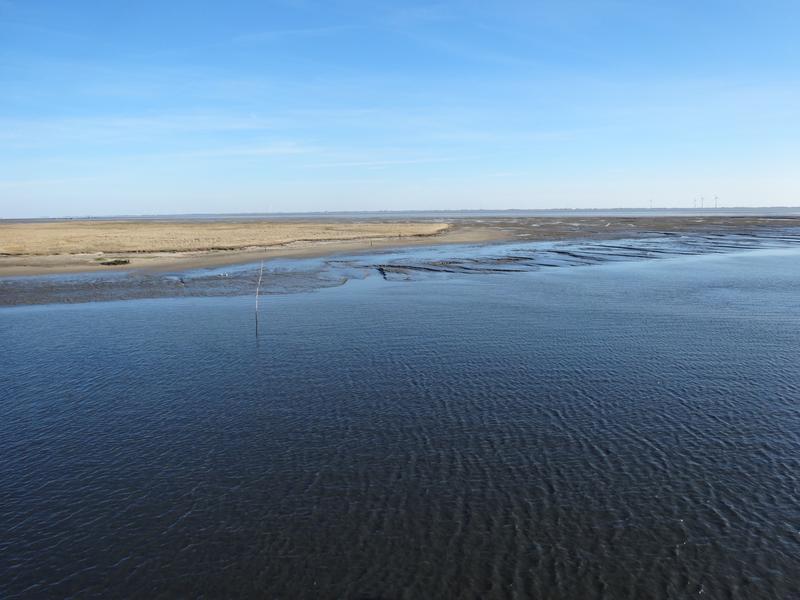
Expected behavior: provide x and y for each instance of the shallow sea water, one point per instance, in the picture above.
(627, 430)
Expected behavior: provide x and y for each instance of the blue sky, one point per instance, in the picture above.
(184, 107)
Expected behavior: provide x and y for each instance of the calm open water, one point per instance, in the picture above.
(628, 430)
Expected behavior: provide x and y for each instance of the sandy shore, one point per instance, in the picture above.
(73, 246)
(70, 246)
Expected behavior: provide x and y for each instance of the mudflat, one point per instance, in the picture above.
(41, 247)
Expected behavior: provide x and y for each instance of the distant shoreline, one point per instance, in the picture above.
(84, 246)
(87, 246)
(734, 211)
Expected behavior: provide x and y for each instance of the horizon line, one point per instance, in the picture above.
(645, 209)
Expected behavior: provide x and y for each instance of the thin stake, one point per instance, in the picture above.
(258, 289)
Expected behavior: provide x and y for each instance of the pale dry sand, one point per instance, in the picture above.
(28, 248)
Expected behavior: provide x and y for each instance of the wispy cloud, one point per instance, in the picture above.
(496, 136)
(409, 15)
(116, 129)
(471, 52)
(28, 183)
(275, 35)
(245, 150)
(385, 163)
(37, 29)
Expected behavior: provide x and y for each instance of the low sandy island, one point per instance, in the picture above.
(71, 246)
(39, 247)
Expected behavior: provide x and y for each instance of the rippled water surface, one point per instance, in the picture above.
(626, 430)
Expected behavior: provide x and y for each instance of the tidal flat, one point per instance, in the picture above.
(58, 246)
(498, 245)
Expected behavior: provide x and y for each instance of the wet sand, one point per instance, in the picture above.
(76, 246)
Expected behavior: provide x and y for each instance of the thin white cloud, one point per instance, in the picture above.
(27, 183)
(385, 163)
(115, 129)
(408, 15)
(39, 30)
(273, 149)
(283, 34)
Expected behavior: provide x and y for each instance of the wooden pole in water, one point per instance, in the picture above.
(258, 289)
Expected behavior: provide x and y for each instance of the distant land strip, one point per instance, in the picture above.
(74, 246)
